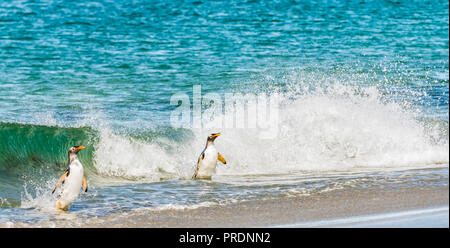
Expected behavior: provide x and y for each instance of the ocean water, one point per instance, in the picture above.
(362, 86)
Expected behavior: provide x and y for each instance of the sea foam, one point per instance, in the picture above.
(335, 128)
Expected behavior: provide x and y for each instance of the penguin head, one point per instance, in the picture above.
(73, 152)
(75, 149)
(213, 136)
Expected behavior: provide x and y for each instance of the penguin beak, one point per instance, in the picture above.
(79, 148)
(215, 135)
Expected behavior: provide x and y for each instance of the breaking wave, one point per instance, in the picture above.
(337, 128)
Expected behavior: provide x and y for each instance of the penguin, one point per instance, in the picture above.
(207, 161)
(71, 180)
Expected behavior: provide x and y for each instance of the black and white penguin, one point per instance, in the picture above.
(72, 180)
(206, 165)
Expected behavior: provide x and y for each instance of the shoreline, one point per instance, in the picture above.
(290, 210)
(281, 212)
(433, 217)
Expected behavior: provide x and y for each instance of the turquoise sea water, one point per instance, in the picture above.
(364, 89)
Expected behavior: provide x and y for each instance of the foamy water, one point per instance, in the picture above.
(341, 128)
(329, 139)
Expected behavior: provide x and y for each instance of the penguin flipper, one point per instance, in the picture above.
(61, 180)
(221, 158)
(85, 185)
(202, 156)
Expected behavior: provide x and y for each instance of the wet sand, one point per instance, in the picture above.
(282, 211)
(434, 217)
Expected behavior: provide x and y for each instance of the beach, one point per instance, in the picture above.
(329, 209)
(285, 211)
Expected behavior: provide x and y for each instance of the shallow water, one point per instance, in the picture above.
(102, 201)
(363, 91)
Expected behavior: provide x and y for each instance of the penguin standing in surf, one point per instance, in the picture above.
(207, 161)
(71, 180)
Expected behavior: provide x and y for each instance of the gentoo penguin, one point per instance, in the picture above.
(71, 180)
(207, 161)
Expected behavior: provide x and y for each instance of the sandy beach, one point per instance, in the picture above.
(432, 217)
(281, 212)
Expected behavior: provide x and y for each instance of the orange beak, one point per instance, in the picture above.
(216, 135)
(79, 148)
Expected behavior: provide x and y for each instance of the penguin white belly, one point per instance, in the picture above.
(72, 184)
(207, 166)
